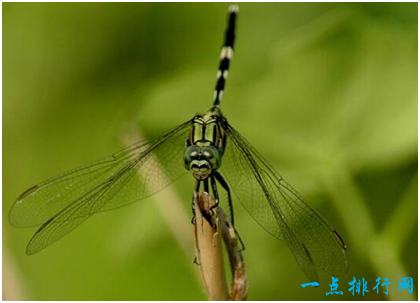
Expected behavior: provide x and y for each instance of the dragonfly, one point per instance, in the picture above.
(216, 155)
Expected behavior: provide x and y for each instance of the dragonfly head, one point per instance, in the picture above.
(201, 160)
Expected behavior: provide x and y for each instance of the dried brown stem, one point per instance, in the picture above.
(211, 226)
(239, 289)
(209, 250)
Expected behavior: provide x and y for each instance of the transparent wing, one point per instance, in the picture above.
(62, 203)
(279, 209)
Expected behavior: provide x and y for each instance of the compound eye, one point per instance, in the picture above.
(192, 152)
(208, 153)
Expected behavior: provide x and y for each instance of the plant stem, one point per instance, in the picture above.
(209, 252)
(211, 226)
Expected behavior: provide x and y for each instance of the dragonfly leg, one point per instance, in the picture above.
(193, 212)
(240, 239)
(195, 196)
(226, 187)
(215, 193)
(224, 184)
(206, 186)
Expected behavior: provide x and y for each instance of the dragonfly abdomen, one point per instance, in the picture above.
(226, 55)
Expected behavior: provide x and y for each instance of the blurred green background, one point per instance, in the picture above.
(327, 93)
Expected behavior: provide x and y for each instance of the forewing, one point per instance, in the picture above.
(123, 178)
(40, 202)
(77, 212)
(279, 209)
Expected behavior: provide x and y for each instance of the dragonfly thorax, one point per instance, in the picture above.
(205, 145)
(207, 130)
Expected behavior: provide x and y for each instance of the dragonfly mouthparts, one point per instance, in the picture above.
(201, 169)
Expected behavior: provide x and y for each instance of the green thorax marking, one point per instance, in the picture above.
(206, 130)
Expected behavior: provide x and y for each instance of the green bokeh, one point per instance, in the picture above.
(327, 93)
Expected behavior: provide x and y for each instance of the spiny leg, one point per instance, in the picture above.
(224, 184)
(195, 196)
(207, 190)
(215, 193)
(206, 185)
(225, 55)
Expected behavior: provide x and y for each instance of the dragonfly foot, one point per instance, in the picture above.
(195, 261)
